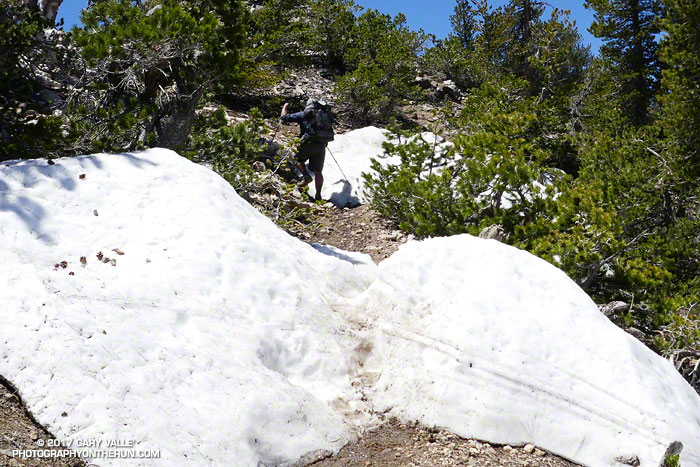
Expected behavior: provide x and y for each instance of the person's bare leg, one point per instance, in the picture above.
(318, 177)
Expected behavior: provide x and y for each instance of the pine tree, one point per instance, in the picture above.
(382, 59)
(27, 127)
(151, 64)
(280, 32)
(464, 23)
(681, 80)
(331, 24)
(627, 28)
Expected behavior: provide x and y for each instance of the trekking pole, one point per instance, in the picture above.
(279, 122)
(336, 163)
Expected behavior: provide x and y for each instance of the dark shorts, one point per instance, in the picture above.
(313, 152)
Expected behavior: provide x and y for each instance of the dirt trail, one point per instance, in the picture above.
(356, 229)
(397, 445)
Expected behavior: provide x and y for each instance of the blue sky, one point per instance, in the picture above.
(433, 16)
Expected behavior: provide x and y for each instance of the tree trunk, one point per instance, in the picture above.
(525, 40)
(49, 8)
(31, 4)
(640, 85)
(174, 128)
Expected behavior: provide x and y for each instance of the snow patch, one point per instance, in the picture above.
(218, 339)
(491, 342)
(213, 337)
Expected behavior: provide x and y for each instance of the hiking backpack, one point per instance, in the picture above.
(320, 129)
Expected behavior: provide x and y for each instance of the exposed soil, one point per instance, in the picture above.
(397, 445)
(356, 229)
(20, 431)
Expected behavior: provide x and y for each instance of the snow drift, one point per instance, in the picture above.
(216, 338)
(495, 343)
(205, 337)
(350, 155)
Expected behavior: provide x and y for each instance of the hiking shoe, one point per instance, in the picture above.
(306, 181)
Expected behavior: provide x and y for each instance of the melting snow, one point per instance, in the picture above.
(217, 338)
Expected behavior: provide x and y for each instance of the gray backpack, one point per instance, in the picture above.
(320, 122)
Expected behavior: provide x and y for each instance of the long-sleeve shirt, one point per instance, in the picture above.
(302, 118)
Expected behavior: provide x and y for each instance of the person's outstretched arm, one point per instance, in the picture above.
(286, 117)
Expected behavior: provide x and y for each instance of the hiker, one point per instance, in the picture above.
(316, 131)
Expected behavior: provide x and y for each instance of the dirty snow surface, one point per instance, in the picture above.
(206, 333)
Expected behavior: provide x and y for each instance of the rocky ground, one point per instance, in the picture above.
(395, 444)
(356, 229)
(19, 430)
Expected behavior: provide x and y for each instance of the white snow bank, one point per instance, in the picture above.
(353, 152)
(217, 338)
(220, 340)
(494, 343)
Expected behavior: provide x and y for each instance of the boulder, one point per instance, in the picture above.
(493, 232)
(448, 89)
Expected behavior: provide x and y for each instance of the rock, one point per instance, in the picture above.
(529, 448)
(448, 89)
(636, 333)
(539, 452)
(493, 232)
(394, 236)
(273, 147)
(473, 452)
(424, 82)
(312, 458)
(507, 448)
(632, 460)
(614, 308)
(50, 97)
(259, 166)
(672, 452)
